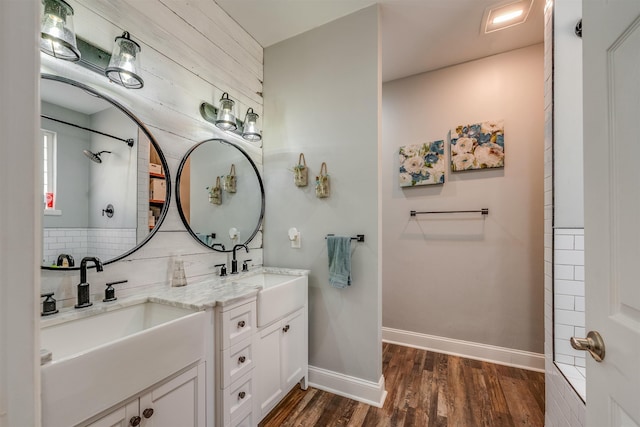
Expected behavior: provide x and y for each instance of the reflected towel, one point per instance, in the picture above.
(339, 251)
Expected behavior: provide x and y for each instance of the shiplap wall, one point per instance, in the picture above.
(192, 52)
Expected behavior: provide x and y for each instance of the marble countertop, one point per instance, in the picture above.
(200, 295)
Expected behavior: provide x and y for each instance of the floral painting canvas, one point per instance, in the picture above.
(477, 146)
(422, 164)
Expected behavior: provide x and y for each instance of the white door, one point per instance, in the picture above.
(611, 66)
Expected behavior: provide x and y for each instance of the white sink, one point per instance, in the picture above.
(100, 360)
(281, 294)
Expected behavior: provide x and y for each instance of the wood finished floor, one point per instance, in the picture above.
(426, 389)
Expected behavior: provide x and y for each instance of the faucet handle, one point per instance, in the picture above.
(49, 304)
(110, 293)
(245, 266)
(223, 269)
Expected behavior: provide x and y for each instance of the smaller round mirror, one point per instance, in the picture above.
(220, 195)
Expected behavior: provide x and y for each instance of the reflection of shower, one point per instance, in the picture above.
(95, 157)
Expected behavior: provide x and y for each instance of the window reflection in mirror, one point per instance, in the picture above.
(96, 155)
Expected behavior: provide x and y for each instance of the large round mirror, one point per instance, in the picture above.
(220, 194)
(106, 186)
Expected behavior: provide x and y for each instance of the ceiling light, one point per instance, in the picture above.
(501, 16)
(57, 37)
(507, 16)
(125, 63)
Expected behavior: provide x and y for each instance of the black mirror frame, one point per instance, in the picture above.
(163, 160)
(179, 205)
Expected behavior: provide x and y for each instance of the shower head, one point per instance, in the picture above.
(95, 157)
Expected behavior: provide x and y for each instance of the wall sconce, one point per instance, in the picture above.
(250, 130)
(226, 119)
(124, 63)
(57, 37)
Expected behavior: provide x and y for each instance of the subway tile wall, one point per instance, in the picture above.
(105, 243)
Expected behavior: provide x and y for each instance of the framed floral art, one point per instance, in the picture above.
(477, 146)
(422, 164)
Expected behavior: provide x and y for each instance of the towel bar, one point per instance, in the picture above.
(359, 237)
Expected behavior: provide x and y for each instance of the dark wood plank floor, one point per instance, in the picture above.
(426, 389)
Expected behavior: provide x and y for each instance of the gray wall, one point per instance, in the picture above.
(72, 185)
(568, 188)
(467, 277)
(322, 98)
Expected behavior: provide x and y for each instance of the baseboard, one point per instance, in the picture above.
(364, 391)
(471, 350)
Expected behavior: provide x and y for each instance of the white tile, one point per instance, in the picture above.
(579, 304)
(564, 272)
(579, 331)
(569, 287)
(579, 272)
(579, 242)
(563, 242)
(567, 317)
(569, 257)
(564, 331)
(565, 302)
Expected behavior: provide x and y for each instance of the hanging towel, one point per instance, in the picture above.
(339, 251)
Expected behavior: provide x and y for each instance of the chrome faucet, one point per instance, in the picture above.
(84, 299)
(234, 261)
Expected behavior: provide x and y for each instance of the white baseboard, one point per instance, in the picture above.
(364, 391)
(471, 350)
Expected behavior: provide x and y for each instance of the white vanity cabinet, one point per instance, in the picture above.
(281, 360)
(179, 401)
(234, 359)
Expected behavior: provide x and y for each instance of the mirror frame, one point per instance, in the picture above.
(179, 204)
(141, 126)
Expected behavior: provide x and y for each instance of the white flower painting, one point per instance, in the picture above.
(422, 164)
(477, 146)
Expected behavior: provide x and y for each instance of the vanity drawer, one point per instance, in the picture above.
(236, 361)
(246, 421)
(237, 324)
(238, 399)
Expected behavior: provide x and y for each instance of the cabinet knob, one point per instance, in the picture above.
(135, 421)
(241, 359)
(241, 395)
(147, 413)
(286, 328)
(241, 324)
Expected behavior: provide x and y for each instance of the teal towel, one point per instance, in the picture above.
(339, 251)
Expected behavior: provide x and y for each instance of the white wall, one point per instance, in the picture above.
(20, 214)
(183, 65)
(322, 98)
(464, 276)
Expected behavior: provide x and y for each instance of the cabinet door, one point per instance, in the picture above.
(120, 417)
(268, 373)
(294, 349)
(179, 402)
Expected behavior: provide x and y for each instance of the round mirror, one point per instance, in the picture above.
(220, 194)
(106, 186)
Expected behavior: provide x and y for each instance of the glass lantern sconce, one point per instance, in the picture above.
(224, 118)
(125, 62)
(57, 37)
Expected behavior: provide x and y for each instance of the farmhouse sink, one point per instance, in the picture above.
(102, 359)
(280, 295)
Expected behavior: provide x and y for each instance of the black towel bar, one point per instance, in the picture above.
(359, 237)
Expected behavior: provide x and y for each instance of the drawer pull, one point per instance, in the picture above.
(286, 328)
(241, 359)
(135, 421)
(147, 413)
(241, 395)
(241, 324)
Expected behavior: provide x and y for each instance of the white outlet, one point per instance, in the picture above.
(294, 237)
